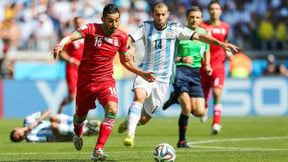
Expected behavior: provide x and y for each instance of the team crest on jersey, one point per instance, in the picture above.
(115, 42)
(169, 34)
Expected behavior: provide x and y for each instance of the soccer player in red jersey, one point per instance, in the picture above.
(95, 81)
(72, 54)
(219, 30)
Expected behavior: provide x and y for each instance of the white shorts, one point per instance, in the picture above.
(156, 94)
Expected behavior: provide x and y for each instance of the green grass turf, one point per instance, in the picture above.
(254, 139)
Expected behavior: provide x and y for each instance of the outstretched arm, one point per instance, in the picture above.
(127, 60)
(44, 114)
(66, 40)
(129, 64)
(211, 40)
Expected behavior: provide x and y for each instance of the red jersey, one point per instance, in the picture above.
(100, 48)
(219, 32)
(75, 50)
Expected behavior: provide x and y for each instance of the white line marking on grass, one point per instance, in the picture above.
(196, 144)
(240, 148)
(238, 139)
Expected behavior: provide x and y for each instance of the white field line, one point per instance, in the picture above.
(193, 144)
(196, 144)
(238, 140)
(240, 148)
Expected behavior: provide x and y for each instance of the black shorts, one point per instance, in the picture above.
(188, 80)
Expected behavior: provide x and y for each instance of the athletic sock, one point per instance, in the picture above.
(217, 112)
(78, 127)
(183, 122)
(105, 130)
(134, 115)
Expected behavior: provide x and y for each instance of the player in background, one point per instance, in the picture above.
(59, 128)
(95, 81)
(219, 30)
(72, 54)
(187, 86)
(161, 40)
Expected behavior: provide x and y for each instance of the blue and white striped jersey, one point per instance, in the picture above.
(161, 47)
(41, 132)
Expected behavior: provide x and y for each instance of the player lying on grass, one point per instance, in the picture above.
(58, 128)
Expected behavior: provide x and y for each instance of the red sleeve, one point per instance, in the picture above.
(85, 30)
(124, 44)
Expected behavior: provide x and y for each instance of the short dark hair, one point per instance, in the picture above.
(214, 2)
(160, 4)
(110, 9)
(193, 9)
(12, 137)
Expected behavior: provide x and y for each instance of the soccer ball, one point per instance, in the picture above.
(164, 153)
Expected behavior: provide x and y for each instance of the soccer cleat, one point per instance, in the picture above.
(78, 142)
(129, 141)
(204, 118)
(183, 144)
(99, 154)
(216, 129)
(172, 100)
(123, 126)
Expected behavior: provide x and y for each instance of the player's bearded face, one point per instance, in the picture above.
(194, 19)
(111, 22)
(215, 11)
(160, 16)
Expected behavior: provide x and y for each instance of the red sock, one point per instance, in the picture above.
(78, 128)
(105, 131)
(217, 113)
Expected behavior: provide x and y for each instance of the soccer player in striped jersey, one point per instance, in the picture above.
(187, 86)
(219, 30)
(95, 80)
(161, 40)
(57, 128)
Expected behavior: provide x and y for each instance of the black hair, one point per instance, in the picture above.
(12, 137)
(110, 9)
(193, 9)
(160, 4)
(214, 2)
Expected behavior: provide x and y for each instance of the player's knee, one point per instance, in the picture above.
(199, 112)
(217, 94)
(53, 119)
(140, 97)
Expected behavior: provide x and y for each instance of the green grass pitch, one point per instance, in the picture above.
(253, 139)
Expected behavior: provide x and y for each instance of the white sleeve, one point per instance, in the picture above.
(138, 34)
(35, 138)
(184, 33)
(31, 118)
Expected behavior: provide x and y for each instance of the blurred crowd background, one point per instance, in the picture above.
(29, 29)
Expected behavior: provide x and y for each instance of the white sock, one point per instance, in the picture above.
(134, 115)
